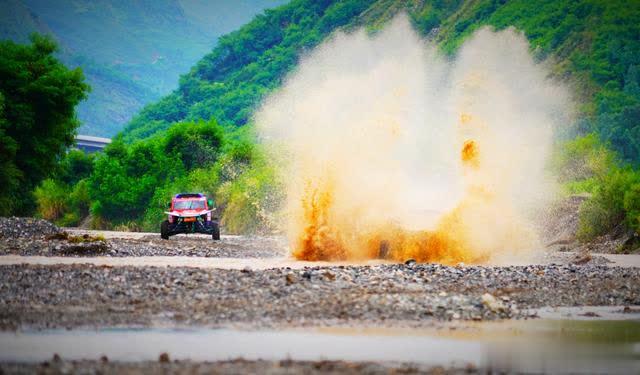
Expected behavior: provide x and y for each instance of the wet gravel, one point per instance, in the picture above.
(197, 246)
(70, 296)
(238, 366)
(229, 247)
(29, 236)
(25, 227)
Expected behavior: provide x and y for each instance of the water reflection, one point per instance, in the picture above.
(525, 346)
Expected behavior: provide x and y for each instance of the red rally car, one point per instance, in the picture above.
(190, 213)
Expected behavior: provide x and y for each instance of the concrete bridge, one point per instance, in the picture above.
(90, 144)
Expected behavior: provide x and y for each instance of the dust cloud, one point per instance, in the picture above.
(392, 150)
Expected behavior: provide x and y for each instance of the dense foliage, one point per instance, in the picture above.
(129, 186)
(38, 96)
(65, 198)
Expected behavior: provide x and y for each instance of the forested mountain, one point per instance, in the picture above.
(593, 44)
(132, 52)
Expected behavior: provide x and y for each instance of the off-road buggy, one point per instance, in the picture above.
(190, 213)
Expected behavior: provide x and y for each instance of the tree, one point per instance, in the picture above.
(38, 96)
(196, 144)
(75, 166)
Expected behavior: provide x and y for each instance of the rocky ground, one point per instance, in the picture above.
(25, 227)
(73, 296)
(26, 236)
(69, 296)
(238, 366)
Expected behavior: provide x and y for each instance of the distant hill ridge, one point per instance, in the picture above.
(132, 52)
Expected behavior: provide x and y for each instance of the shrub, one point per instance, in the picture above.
(251, 201)
(583, 158)
(75, 166)
(69, 219)
(80, 201)
(52, 198)
(632, 206)
(613, 203)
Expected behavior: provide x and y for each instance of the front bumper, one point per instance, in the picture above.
(199, 226)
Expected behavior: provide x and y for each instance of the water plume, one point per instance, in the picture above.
(390, 150)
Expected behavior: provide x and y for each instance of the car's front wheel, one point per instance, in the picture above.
(164, 230)
(215, 234)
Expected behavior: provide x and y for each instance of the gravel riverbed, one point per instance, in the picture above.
(82, 295)
(29, 236)
(237, 366)
(44, 239)
(72, 296)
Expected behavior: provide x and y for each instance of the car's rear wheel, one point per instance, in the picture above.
(215, 234)
(164, 230)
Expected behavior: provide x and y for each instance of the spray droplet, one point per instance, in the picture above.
(470, 153)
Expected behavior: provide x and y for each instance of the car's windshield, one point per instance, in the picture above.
(188, 205)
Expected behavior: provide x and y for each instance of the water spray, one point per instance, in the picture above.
(393, 151)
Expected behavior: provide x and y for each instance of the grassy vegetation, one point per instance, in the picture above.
(65, 198)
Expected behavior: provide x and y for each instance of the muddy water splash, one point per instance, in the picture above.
(393, 151)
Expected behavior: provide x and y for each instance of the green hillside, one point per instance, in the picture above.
(131, 52)
(591, 45)
(245, 65)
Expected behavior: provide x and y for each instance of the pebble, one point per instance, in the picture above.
(29, 243)
(233, 366)
(26, 227)
(91, 296)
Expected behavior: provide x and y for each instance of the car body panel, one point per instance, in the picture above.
(190, 213)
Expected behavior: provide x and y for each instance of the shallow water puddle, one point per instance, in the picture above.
(529, 346)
